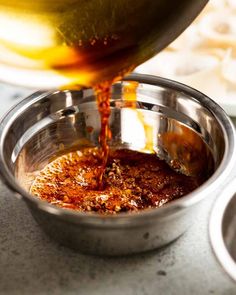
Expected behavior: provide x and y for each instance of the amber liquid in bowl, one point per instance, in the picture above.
(113, 180)
(132, 181)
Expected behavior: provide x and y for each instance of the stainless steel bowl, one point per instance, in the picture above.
(188, 128)
(223, 229)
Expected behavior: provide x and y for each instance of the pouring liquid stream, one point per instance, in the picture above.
(103, 93)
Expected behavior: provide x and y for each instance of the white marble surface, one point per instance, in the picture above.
(30, 263)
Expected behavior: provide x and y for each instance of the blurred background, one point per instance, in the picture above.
(204, 56)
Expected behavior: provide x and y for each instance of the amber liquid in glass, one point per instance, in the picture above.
(47, 44)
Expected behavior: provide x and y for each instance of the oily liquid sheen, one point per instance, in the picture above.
(109, 181)
(132, 181)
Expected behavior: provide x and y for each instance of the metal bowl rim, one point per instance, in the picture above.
(216, 229)
(221, 173)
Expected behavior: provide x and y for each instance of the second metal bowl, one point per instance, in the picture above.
(223, 229)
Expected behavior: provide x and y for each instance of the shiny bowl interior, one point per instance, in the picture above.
(58, 122)
(187, 127)
(223, 229)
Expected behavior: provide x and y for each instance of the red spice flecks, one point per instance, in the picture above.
(132, 181)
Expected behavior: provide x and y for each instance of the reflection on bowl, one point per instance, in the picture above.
(189, 131)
